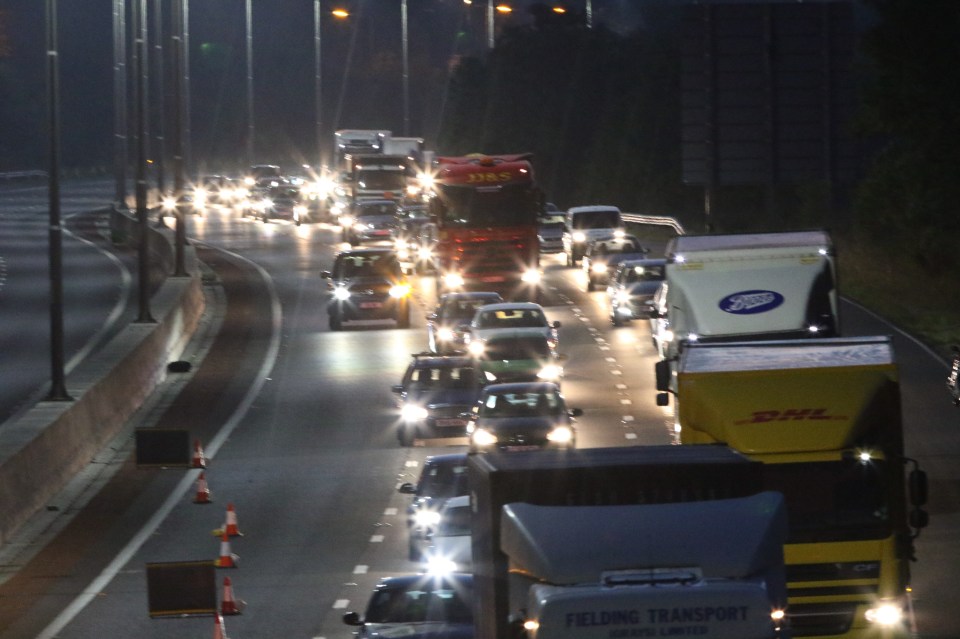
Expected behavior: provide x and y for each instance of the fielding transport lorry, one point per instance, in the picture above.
(702, 568)
(824, 417)
(486, 213)
(749, 286)
(515, 549)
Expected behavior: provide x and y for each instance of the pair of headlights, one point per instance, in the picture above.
(397, 291)
(483, 437)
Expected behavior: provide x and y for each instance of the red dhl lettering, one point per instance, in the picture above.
(791, 415)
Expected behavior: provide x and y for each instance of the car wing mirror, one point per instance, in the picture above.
(575, 412)
(407, 488)
(326, 275)
(556, 324)
(396, 388)
(352, 619)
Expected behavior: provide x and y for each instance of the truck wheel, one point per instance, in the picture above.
(336, 323)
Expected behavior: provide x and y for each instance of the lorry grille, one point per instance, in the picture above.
(811, 620)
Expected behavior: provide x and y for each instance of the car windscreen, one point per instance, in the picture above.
(596, 220)
(443, 377)
(421, 601)
(443, 480)
(516, 348)
(522, 404)
(511, 318)
(370, 265)
(463, 309)
(644, 274)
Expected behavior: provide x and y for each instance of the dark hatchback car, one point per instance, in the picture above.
(422, 605)
(372, 220)
(367, 284)
(434, 394)
(447, 325)
(523, 416)
(442, 477)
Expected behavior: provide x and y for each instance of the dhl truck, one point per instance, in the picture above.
(486, 211)
(824, 417)
(591, 542)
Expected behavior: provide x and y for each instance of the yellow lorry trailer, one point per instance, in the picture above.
(824, 416)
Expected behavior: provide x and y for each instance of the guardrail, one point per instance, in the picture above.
(659, 220)
(22, 175)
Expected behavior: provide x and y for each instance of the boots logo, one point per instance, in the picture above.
(791, 415)
(750, 302)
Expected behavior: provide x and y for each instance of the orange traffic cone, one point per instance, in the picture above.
(227, 559)
(229, 605)
(230, 525)
(199, 461)
(203, 491)
(219, 632)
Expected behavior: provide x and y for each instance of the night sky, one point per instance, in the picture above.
(366, 47)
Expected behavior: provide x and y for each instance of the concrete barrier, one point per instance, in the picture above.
(46, 447)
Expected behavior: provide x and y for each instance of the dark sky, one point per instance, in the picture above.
(366, 47)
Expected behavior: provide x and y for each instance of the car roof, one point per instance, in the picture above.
(457, 502)
(646, 262)
(521, 387)
(449, 459)
(471, 295)
(437, 361)
(592, 207)
(367, 251)
(510, 306)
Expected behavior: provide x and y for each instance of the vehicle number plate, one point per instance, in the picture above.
(527, 447)
(371, 304)
(492, 278)
(451, 422)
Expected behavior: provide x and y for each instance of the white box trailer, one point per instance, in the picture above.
(711, 569)
(750, 286)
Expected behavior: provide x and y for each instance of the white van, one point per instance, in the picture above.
(585, 224)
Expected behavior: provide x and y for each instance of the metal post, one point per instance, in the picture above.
(250, 129)
(406, 69)
(160, 145)
(58, 390)
(589, 14)
(187, 119)
(179, 181)
(139, 19)
(489, 24)
(317, 86)
(120, 103)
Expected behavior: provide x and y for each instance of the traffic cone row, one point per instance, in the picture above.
(229, 526)
(230, 605)
(199, 461)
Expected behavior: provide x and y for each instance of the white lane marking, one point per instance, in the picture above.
(376, 539)
(626, 402)
(630, 435)
(390, 512)
(621, 387)
(611, 359)
(339, 604)
(626, 418)
(99, 584)
(361, 569)
(412, 463)
(616, 372)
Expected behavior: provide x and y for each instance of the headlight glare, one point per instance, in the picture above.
(399, 290)
(885, 613)
(560, 435)
(340, 293)
(413, 413)
(453, 280)
(483, 437)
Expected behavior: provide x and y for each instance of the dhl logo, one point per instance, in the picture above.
(791, 415)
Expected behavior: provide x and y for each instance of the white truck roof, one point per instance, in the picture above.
(685, 244)
(566, 545)
(836, 352)
(592, 207)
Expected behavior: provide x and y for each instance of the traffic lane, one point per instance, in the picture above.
(932, 437)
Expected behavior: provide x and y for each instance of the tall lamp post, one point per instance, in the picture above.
(58, 390)
(406, 69)
(177, 28)
(318, 73)
(250, 127)
(139, 19)
(120, 103)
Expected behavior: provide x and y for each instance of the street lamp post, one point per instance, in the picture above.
(250, 128)
(178, 15)
(140, 107)
(120, 103)
(406, 69)
(317, 86)
(160, 150)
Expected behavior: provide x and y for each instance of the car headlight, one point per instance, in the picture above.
(475, 348)
(550, 372)
(413, 413)
(445, 334)
(453, 280)
(300, 210)
(266, 203)
(426, 518)
(341, 294)
(200, 195)
(598, 267)
(169, 204)
(425, 253)
(531, 276)
(885, 613)
(579, 236)
(360, 226)
(666, 336)
(347, 220)
(623, 297)
(560, 435)
(693, 337)
(438, 565)
(483, 437)
(399, 290)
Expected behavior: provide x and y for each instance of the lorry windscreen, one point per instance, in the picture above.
(382, 179)
(849, 502)
(503, 205)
